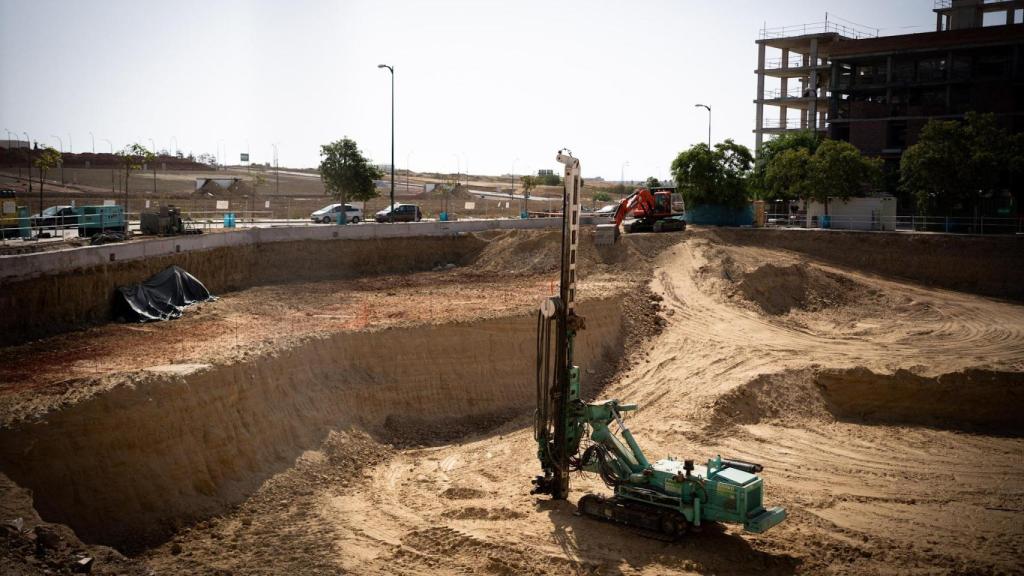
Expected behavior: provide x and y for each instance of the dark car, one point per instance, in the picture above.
(403, 213)
(56, 216)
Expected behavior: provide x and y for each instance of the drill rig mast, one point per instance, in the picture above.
(664, 498)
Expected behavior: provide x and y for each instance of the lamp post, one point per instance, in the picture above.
(93, 138)
(512, 192)
(29, 156)
(391, 69)
(708, 108)
(277, 172)
(61, 167)
(174, 152)
(622, 176)
(112, 164)
(408, 170)
(219, 142)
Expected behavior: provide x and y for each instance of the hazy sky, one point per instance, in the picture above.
(477, 82)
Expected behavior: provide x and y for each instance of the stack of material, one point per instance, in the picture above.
(162, 297)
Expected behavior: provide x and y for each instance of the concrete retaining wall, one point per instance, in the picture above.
(22, 266)
(48, 293)
(987, 265)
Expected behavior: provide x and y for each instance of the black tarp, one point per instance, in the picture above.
(162, 297)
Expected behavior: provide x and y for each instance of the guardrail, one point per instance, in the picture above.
(781, 63)
(947, 224)
(817, 28)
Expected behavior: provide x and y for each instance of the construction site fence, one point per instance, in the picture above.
(945, 224)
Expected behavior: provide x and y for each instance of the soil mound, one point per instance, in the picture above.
(538, 252)
(779, 289)
(981, 401)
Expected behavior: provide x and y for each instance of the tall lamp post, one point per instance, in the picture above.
(408, 171)
(512, 192)
(93, 137)
(29, 156)
(708, 108)
(112, 164)
(391, 214)
(622, 176)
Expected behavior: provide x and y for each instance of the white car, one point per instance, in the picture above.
(329, 214)
(606, 211)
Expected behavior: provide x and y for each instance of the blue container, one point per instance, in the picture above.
(524, 214)
(340, 218)
(826, 221)
(229, 219)
(719, 215)
(443, 217)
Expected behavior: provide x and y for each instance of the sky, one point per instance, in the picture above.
(489, 86)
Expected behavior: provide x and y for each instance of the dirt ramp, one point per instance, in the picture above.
(182, 442)
(971, 400)
(779, 289)
(978, 401)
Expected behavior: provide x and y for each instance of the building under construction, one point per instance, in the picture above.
(877, 92)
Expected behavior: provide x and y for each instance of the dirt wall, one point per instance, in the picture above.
(173, 444)
(52, 304)
(987, 265)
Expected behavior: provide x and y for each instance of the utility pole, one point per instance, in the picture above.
(709, 121)
(29, 157)
(622, 177)
(391, 214)
(93, 137)
(113, 165)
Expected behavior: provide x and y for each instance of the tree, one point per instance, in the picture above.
(953, 164)
(838, 170)
(601, 196)
(346, 173)
(132, 157)
(529, 183)
(47, 160)
(718, 176)
(787, 176)
(652, 182)
(777, 146)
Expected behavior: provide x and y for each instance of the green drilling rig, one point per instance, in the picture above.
(663, 499)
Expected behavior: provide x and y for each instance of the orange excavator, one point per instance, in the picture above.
(652, 211)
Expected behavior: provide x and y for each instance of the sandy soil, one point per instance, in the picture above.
(734, 373)
(510, 276)
(883, 412)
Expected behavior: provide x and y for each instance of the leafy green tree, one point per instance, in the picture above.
(550, 179)
(718, 176)
(837, 169)
(47, 160)
(797, 140)
(954, 163)
(652, 182)
(529, 183)
(787, 176)
(132, 157)
(601, 196)
(346, 173)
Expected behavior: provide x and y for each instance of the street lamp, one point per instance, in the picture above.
(622, 176)
(408, 171)
(28, 139)
(174, 152)
(391, 214)
(112, 164)
(708, 108)
(512, 193)
(93, 138)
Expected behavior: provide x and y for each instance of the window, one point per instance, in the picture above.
(931, 69)
(896, 134)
